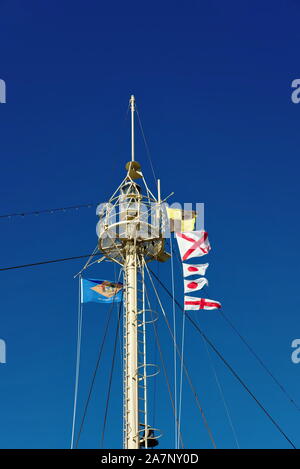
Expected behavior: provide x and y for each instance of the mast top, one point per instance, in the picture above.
(133, 167)
(132, 107)
(132, 101)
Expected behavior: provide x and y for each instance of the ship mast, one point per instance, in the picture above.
(131, 233)
(131, 401)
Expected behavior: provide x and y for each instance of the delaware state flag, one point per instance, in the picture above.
(100, 291)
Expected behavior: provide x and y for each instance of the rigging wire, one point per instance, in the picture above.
(253, 352)
(174, 353)
(226, 408)
(51, 261)
(162, 360)
(78, 354)
(120, 339)
(72, 207)
(111, 374)
(173, 251)
(146, 145)
(242, 383)
(33, 264)
(260, 361)
(155, 359)
(181, 370)
(88, 255)
(88, 262)
(182, 355)
(185, 368)
(49, 210)
(210, 343)
(167, 379)
(109, 316)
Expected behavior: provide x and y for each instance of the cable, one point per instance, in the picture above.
(226, 408)
(181, 370)
(166, 378)
(109, 315)
(146, 145)
(163, 362)
(255, 354)
(226, 319)
(111, 374)
(78, 353)
(173, 251)
(259, 360)
(175, 356)
(185, 368)
(155, 358)
(228, 365)
(51, 261)
(182, 339)
(49, 210)
(243, 384)
(72, 207)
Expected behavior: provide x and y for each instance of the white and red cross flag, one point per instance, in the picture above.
(194, 303)
(193, 244)
(194, 285)
(192, 269)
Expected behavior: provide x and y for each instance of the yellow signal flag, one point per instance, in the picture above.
(181, 220)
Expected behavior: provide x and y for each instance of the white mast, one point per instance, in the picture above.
(128, 235)
(131, 437)
(132, 107)
(131, 424)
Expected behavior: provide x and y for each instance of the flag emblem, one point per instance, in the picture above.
(107, 289)
(100, 291)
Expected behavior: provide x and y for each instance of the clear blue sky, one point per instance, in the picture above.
(213, 84)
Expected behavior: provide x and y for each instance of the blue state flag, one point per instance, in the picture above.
(100, 291)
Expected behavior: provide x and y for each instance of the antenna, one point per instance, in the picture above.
(132, 107)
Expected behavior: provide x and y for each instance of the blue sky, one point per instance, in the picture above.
(213, 88)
